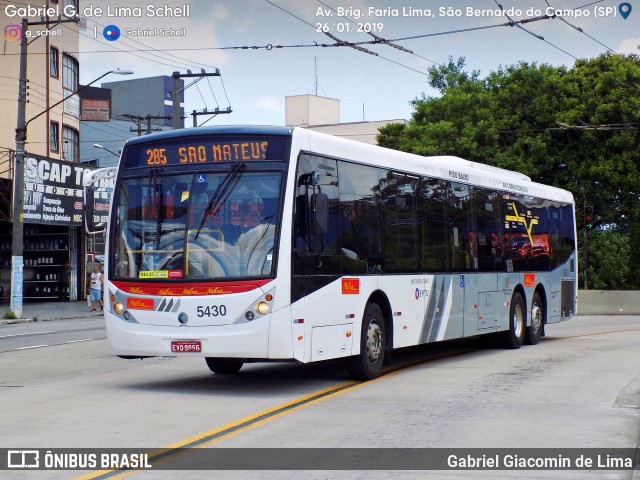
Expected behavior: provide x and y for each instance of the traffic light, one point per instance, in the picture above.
(591, 220)
(588, 215)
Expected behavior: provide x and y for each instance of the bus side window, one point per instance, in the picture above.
(460, 210)
(317, 203)
(487, 206)
(434, 225)
(360, 218)
(398, 201)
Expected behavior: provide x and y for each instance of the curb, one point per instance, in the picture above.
(14, 321)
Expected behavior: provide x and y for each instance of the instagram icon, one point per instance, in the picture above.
(13, 33)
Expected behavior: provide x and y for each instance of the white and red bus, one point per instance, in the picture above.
(247, 244)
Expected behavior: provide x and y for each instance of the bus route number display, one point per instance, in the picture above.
(204, 153)
(205, 149)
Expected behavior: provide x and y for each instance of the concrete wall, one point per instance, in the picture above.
(365, 132)
(303, 110)
(601, 302)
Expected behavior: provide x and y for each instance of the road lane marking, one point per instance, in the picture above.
(30, 333)
(173, 450)
(595, 334)
(250, 422)
(263, 417)
(54, 344)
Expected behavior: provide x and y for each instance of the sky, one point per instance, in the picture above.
(255, 81)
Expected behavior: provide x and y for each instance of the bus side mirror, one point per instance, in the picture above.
(319, 214)
(89, 211)
(94, 221)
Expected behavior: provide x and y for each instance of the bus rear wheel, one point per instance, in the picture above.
(535, 330)
(514, 336)
(224, 366)
(368, 363)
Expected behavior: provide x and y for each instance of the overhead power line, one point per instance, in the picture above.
(568, 53)
(381, 40)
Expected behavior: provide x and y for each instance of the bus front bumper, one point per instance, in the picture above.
(247, 340)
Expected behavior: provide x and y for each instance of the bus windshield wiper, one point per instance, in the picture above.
(219, 194)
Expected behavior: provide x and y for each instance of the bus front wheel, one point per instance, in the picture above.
(368, 363)
(514, 336)
(224, 366)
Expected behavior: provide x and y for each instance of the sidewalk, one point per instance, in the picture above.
(42, 311)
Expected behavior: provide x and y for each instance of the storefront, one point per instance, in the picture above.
(54, 242)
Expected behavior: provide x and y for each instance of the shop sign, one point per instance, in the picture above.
(53, 192)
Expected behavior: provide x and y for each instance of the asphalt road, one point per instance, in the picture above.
(579, 388)
(24, 336)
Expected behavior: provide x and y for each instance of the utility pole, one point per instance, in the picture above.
(155, 117)
(214, 113)
(175, 97)
(175, 94)
(17, 212)
(138, 119)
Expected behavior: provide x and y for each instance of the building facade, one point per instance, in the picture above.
(52, 232)
(135, 107)
(322, 114)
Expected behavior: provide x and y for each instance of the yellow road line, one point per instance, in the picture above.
(247, 423)
(265, 416)
(230, 428)
(595, 334)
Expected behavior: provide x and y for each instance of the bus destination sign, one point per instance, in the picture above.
(195, 151)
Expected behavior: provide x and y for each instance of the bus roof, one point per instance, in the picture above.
(215, 130)
(442, 166)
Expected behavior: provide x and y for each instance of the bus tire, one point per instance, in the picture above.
(536, 321)
(373, 338)
(223, 366)
(514, 336)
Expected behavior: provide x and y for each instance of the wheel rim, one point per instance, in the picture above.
(536, 317)
(374, 342)
(518, 320)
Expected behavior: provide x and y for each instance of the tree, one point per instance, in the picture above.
(609, 253)
(575, 128)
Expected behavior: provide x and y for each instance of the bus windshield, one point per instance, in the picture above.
(205, 226)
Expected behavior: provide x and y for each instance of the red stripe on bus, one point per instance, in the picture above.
(187, 289)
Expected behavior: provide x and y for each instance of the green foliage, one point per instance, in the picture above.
(9, 315)
(609, 268)
(575, 128)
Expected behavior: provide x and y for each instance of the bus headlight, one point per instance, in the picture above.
(262, 308)
(118, 308)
